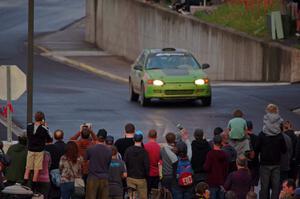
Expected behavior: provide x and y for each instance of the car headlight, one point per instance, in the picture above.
(200, 82)
(158, 83)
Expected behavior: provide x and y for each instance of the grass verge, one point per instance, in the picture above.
(235, 15)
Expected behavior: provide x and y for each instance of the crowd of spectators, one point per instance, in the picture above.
(91, 165)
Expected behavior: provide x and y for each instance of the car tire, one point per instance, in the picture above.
(132, 95)
(206, 101)
(143, 100)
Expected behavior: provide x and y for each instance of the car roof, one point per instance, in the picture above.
(165, 50)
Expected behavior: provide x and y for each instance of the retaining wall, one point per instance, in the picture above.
(125, 27)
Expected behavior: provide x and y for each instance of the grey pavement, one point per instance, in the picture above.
(68, 46)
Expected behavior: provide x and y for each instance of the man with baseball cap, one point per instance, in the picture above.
(97, 182)
(137, 163)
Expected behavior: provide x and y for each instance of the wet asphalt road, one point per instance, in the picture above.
(70, 97)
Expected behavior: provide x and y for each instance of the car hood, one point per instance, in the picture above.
(177, 75)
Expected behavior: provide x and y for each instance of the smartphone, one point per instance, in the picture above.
(87, 125)
(179, 126)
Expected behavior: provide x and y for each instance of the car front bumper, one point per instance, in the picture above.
(178, 91)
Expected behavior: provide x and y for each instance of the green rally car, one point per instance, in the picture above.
(168, 73)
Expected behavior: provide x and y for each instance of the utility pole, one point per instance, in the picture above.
(9, 114)
(30, 60)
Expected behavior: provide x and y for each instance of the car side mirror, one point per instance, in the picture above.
(138, 67)
(205, 66)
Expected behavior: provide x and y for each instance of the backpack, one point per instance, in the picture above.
(184, 172)
(55, 177)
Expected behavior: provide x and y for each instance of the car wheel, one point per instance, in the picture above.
(206, 101)
(143, 100)
(132, 95)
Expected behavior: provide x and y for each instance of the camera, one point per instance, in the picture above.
(179, 126)
(86, 125)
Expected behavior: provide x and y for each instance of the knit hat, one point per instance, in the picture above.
(102, 133)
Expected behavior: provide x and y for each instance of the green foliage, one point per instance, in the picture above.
(235, 15)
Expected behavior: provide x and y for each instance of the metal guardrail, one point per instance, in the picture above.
(15, 129)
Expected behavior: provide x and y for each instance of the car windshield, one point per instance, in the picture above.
(171, 61)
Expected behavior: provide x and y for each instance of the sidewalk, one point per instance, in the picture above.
(68, 46)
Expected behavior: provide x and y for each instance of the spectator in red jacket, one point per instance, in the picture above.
(216, 166)
(239, 181)
(153, 150)
(85, 134)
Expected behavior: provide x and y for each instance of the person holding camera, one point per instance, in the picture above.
(84, 139)
(38, 135)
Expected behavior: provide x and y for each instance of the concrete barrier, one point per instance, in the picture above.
(125, 27)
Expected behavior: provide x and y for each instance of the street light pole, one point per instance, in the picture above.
(30, 60)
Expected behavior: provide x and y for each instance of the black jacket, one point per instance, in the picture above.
(297, 152)
(254, 163)
(294, 138)
(199, 151)
(270, 148)
(56, 151)
(38, 139)
(137, 162)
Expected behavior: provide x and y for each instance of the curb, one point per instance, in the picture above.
(47, 53)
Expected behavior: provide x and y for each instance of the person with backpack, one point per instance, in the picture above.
(182, 174)
(70, 165)
(56, 150)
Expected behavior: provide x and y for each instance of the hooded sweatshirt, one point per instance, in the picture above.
(270, 142)
(270, 148)
(271, 126)
(200, 148)
(137, 162)
(216, 166)
(17, 154)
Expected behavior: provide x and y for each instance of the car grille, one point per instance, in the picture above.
(179, 92)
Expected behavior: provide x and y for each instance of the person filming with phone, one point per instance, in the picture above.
(38, 135)
(84, 138)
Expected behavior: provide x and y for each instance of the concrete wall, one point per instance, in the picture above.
(125, 27)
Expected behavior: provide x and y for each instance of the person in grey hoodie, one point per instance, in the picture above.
(270, 145)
